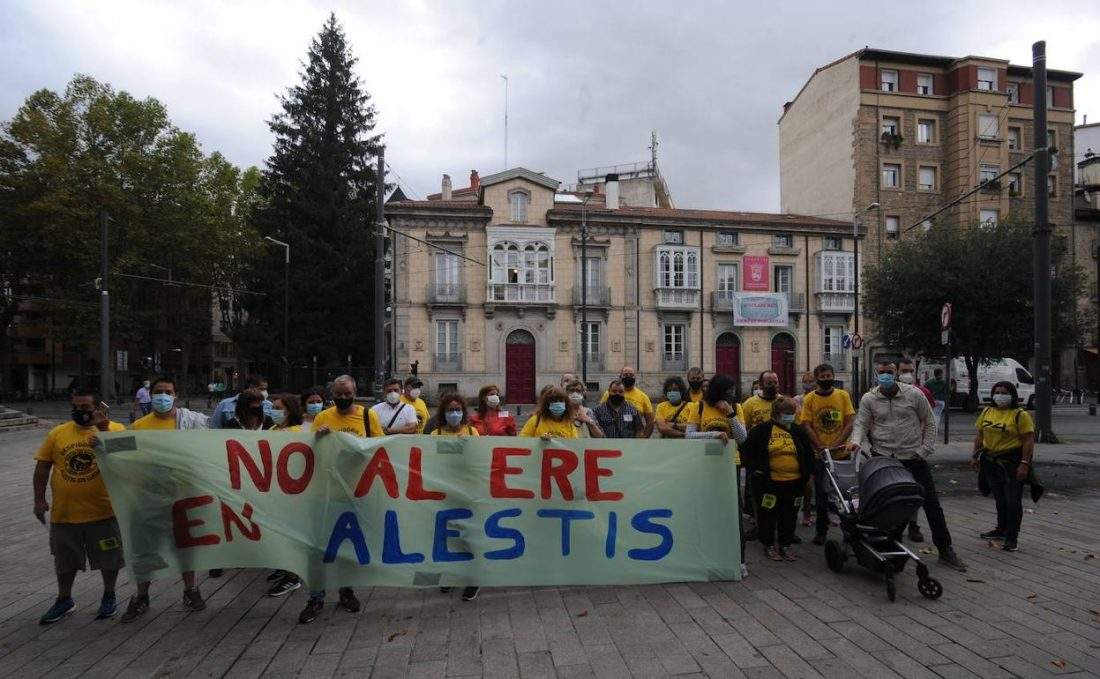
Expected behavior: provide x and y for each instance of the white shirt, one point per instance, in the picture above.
(385, 412)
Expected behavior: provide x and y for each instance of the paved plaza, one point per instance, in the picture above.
(1032, 613)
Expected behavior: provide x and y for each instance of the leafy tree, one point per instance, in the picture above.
(986, 273)
(318, 195)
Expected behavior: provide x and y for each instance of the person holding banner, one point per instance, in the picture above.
(398, 417)
(286, 413)
(674, 414)
(411, 397)
(551, 419)
(489, 419)
(313, 402)
(83, 529)
(583, 417)
(452, 418)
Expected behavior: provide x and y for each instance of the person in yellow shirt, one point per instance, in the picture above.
(453, 419)
(551, 419)
(83, 529)
(1003, 450)
(827, 416)
(413, 388)
(635, 397)
(695, 384)
(758, 408)
(674, 414)
(779, 456)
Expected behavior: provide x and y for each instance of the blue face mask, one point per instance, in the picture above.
(315, 408)
(267, 408)
(673, 397)
(886, 380)
(162, 403)
(454, 417)
(277, 416)
(557, 408)
(787, 419)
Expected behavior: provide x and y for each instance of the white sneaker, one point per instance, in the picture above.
(744, 571)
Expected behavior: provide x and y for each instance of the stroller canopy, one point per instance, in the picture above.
(888, 493)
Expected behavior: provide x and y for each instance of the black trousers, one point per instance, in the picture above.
(937, 523)
(821, 495)
(1008, 494)
(782, 516)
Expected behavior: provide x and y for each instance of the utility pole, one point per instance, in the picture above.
(1041, 232)
(380, 271)
(505, 77)
(856, 393)
(104, 313)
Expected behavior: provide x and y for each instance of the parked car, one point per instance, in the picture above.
(996, 370)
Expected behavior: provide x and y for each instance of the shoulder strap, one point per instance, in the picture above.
(679, 410)
(395, 414)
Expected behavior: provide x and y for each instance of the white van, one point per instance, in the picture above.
(997, 370)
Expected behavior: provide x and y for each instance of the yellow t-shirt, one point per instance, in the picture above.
(421, 409)
(666, 411)
(293, 427)
(79, 494)
(637, 398)
(559, 429)
(351, 424)
(440, 431)
(757, 411)
(782, 456)
(1001, 428)
(709, 418)
(151, 421)
(825, 415)
(695, 396)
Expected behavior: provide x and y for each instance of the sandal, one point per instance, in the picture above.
(773, 553)
(787, 554)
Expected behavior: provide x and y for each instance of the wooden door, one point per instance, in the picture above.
(727, 356)
(783, 362)
(519, 370)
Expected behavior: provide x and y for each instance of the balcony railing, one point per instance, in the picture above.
(838, 361)
(521, 292)
(595, 362)
(446, 293)
(448, 362)
(677, 298)
(840, 302)
(796, 302)
(597, 296)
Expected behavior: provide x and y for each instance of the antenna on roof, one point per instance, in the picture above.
(653, 149)
(505, 77)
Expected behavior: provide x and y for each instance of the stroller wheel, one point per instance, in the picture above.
(891, 588)
(835, 556)
(930, 588)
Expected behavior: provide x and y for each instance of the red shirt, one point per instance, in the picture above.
(492, 424)
(927, 394)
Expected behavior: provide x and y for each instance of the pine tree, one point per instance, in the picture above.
(318, 195)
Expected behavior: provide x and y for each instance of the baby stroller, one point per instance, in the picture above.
(873, 498)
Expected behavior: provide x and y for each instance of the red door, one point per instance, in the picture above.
(783, 362)
(519, 370)
(727, 356)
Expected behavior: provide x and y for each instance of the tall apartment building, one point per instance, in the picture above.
(667, 288)
(912, 132)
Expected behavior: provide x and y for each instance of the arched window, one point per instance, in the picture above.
(518, 201)
(531, 264)
(666, 270)
(678, 269)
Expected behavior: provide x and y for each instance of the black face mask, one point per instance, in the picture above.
(82, 418)
(696, 385)
(343, 403)
(616, 400)
(628, 381)
(770, 392)
(825, 385)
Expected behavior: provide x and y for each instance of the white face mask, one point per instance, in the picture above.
(906, 378)
(264, 394)
(414, 393)
(1002, 400)
(393, 398)
(576, 398)
(492, 400)
(759, 393)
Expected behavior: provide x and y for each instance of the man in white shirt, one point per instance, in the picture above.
(394, 416)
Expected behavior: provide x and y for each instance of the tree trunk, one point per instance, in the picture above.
(972, 369)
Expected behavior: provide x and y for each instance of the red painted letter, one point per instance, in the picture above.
(559, 472)
(236, 454)
(415, 489)
(379, 466)
(181, 525)
(500, 468)
(294, 486)
(230, 518)
(592, 473)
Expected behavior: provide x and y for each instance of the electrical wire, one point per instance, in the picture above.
(170, 281)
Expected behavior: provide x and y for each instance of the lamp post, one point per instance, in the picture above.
(286, 312)
(855, 303)
(584, 290)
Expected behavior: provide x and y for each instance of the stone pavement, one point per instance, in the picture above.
(1033, 613)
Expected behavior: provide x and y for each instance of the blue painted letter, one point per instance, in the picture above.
(347, 528)
(443, 532)
(642, 524)
(612, 533)
(391, 543)
(493, 529)
(566, 515)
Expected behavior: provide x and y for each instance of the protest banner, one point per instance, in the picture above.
(422, 510)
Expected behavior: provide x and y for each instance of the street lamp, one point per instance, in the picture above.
(855, 304)
(286, 311)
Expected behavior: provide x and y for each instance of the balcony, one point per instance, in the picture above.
(838, 361)
(450, 363)
(597, 296)
(446, 293)
(521, 293)
(836, 302)
(595, 362)
(677, 298)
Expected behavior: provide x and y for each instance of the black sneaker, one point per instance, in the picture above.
(311, 611)
(287, 584)
(107, 606)
(137, 607)
(216, 572)
(820, 537)
(60, 609)
(192, 600)
(795, 540)
(445, 590)
(470, 593)
(348, 601)
(914, 533)
(1010, 546)
(950, 558)
(995, 534)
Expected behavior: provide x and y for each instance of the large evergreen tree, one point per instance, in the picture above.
(318, 195)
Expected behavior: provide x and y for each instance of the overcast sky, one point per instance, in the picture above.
(588, 81)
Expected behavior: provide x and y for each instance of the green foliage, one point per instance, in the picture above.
(986, 273)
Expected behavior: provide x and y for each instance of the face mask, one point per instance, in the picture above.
(263, 392)
(770, 392)
(267, 406)
(757, 393)
(315, 408)
(824, 385)
(807, 387)
(629, 381)
(673, 397)
(162, 403)
(454, 417)
(696, 385)
(886, 380)
(277, 416)
(83, 418)
(393, 398)
(616, 399)
(787, 419)
(576, 397)
(906, 378)
(1002, 400)
(343, 403)
(414, 393)
(557, 408)
(145, 384)
(492, 400)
